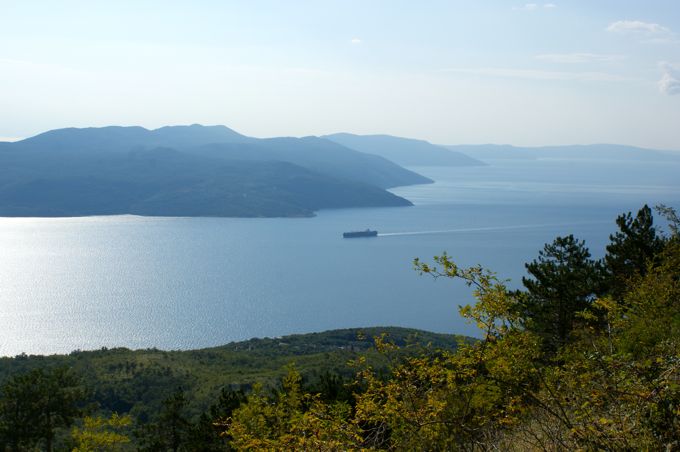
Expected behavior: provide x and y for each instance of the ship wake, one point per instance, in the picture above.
(492, 228)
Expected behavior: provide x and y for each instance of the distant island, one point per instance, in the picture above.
(566, 152)
(190, 171)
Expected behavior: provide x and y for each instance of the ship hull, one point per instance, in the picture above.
(359, 234)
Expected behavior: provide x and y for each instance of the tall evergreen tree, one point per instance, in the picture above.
(564, 281)
(631, 249)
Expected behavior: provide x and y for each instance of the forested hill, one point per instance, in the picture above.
(137, 381)
(189, 171)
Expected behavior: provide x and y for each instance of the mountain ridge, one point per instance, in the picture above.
(167, 171)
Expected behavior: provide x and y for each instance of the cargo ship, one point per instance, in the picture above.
(356, 234)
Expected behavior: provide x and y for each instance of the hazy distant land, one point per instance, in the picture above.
(404, 151)
(189, 171)
(568, 152)
(215, 171)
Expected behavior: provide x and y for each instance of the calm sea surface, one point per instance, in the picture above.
(179, 283)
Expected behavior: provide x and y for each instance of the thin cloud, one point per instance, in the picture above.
(636, 26)
(572, 58)
(534, 6)
(531, 74)
(645, 31)
(670, 79)
(355, 41)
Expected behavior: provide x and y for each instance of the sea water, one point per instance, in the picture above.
(182, 283)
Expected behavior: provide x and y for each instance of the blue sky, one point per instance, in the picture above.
(450, 72)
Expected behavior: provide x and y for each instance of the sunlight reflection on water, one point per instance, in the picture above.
(83, 283)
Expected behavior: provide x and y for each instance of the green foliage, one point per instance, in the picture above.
(294, 420)
(137, 381)
(35, 404)
(631, 249)
(98, 434)
(618, 389)
(564, 282)
(454, 401)
(207, 434)
(214, 380)
(171, 431)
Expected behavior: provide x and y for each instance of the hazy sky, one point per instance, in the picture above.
(476, 71)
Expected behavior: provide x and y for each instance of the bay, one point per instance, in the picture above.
(182, 283)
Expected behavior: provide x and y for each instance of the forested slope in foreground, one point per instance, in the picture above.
(140, 383)
(586, 357)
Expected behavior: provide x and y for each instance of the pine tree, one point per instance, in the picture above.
(564, 281)
(631, 249)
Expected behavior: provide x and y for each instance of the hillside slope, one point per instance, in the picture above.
(137, 381)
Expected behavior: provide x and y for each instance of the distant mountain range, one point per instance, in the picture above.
(404, 151)
(568, 152)
(214, 171)
(189, 171)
